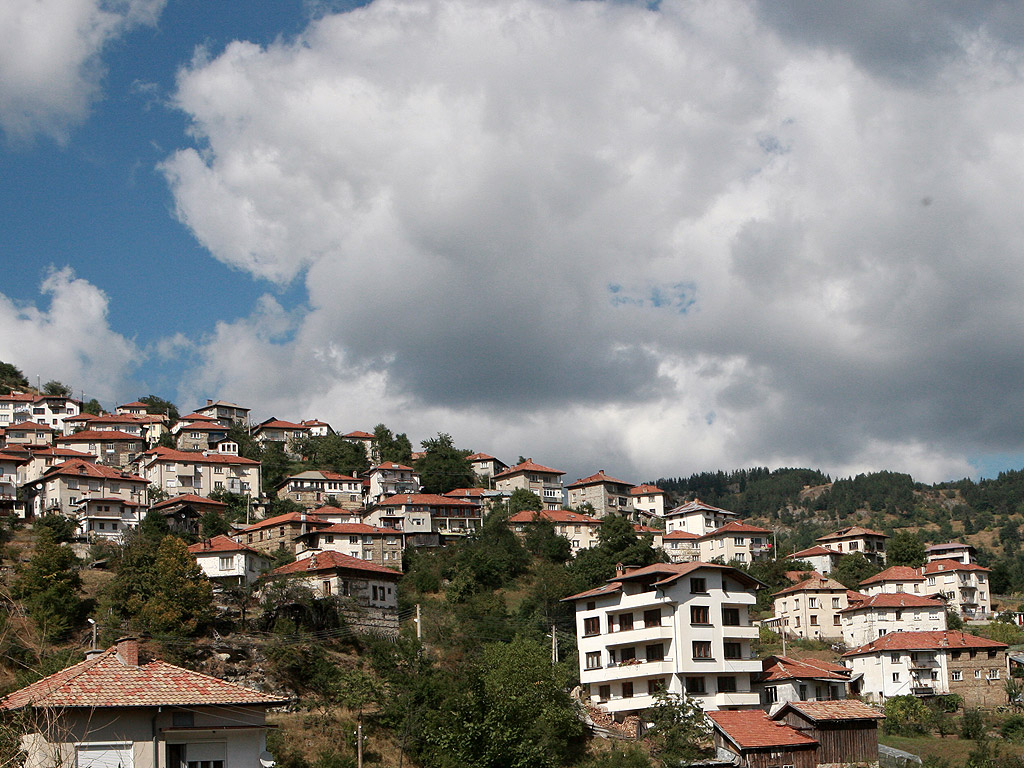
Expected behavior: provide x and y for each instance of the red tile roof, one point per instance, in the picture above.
(894, 573)
(605, 589)
(784, 668)
(735, 527)
(926, 641)
(667, 573)
(331, 561)
(279, 424)
(479, 492)
(480, 457)
(427, 499)
(187, 498)
(646, 490)
(197, 457)
(851, 531)
(839, 709)
(136, 404)
(220, 544)
(106, 680)
(677, 535)
(796, 576)
(813, 584)
(29, 426)
(49, 450)
(389, 465)
(753, 729)
(815, 551)
(897, 600)
(356, 528)
(357, 435)
(936, 566)
(555, 516)
(596, 479)
(98, 436)
(289, 517)
(202, 426)
(82, 468)
(528, 466)
(197, 417)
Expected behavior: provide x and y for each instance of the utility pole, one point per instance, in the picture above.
(419, 624)
(359, 743)
(554, 646)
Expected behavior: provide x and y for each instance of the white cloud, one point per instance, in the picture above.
(50, 59)
(677, 238)
(69, 340)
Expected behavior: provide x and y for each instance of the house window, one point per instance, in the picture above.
(977, 674)
(625, 622)
(698, 586)
(225, 563)
(993, 674)
(695, 685)
(726, 684)
(655, 652)
(594, 660)
(733, 651)
(604, 692)
(700, 614)
(835, 620)
(814, 619)
(802, 692)
(702, 649)
(731, 617)
(895, 677)
(771, 694)
(591, 626)
(956, 675)
(812, 602)
(627, 690)
(652, 618)
(656, 686)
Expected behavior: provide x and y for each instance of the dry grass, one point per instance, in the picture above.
(952, 749)
(310, 736)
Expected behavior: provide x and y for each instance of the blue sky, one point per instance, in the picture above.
(654, 240)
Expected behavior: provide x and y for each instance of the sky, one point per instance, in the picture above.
(651, 238)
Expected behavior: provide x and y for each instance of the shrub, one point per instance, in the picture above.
(1012, 728)
(972, 724)
(906, 716)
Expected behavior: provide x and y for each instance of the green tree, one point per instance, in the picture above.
(182, 598)
(444, 467)
(543, 541)
(54, 388)
(972, 724)
(50, 587)
(679, 731)
(617, 543)
(332, 452)
(213, 524)
(276, 466)
(904, 548)
(156, 405)
(851, 570)
(387, 446)
(954, 620)
(11, 378)
(61, 529)
(167, 441)
(92, 407)
(906, 716)
(522, 499)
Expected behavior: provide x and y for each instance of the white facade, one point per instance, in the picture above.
(683, 628)
(226, 561)
(871, 619)
(698, 518)
(388, 479)
(200, 472)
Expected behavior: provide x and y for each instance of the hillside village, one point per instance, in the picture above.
(462, 608)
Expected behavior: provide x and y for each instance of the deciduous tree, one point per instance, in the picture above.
(444, 467)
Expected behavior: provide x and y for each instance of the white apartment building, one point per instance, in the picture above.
(855, 538)
(387, 479)
(416, 513)
(698, 518)
(954, 550)
(201, 472)
(735, 542)
(62, 487)
(48, 410)
(684, 628)
(485, 466)
(15, 402)
(42, 458)
(811, 608)
(896, 578)
(887, 612)
(681, 546)
(648, 500)
(964, 586)
(9, 476)
(821, 559)
(531, 476)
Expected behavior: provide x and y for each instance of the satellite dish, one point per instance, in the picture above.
(266, 759)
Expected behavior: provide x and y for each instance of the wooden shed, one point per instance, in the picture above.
(847, 731)
(751, 739)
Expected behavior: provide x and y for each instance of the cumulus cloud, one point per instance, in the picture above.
(710, 234)
(50, 58)
(69, 339)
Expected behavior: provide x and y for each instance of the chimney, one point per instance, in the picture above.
(209, 401)
(620, 570)
(128, 650)
(93, 653)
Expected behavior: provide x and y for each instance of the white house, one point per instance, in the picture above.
(698, 518)
(784, 679)
(887, 612)
(201, 472)
(954, 550)
(62, 487)
(387, 479)
(736, 541)
(112, 711)
(225, 561)
(821, 559)
(680, 627)
(854, 539)
(531, 476)
(648, 500)
(811, 608)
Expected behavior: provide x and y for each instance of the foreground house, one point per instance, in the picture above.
(931, 664)
(683, 628)
(62, 487)
(111, 711)
(846, 731)
(648, 500)
(228, 563)
(751, 739)
(736, 542)
(369, 543)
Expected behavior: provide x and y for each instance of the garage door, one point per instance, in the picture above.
(105, 756)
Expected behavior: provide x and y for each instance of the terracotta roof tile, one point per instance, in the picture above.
(646, 490)
(926, 641)
(220, 544)
(698, 506)
(600, 477)
(736, 526)
(331, 561)
(197, 457)
(428, 499)
(528, 466)
(107, 681)
(839, 709)
(555, 516)
(753, 729)
(897, 600)
(937, 566)
(813, 584)
(784, 668)
(187, 498)
(851, 531)
(894, 573)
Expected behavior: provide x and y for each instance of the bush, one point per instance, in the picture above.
(972, 724)
(1012, 728)
(906, 716)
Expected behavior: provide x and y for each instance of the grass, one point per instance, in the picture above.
(952, 749)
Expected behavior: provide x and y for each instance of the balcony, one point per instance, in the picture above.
(928, 663)
(640, 634)
(628, 671)
(631, 704)
(744, 632)
(736, 699)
